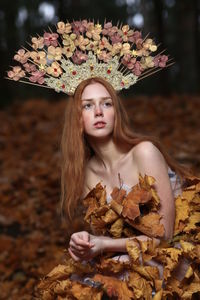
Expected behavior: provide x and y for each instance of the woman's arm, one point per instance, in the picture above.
(150, 161)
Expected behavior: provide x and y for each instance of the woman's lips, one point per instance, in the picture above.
(100, 124)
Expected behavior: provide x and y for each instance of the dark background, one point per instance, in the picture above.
(173, 23)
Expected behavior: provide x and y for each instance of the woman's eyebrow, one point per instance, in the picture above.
(102, 98)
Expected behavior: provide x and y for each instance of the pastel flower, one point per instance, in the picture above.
(137, 69)
(140, 52)
(22, 56)
(147, 62)
(116, 49)
(30, 67)
(126, 33)
(50, 39)
(37, 43)
(93, 32)
(54, 53)
(103, 55)
(112, 31)
(69, 50)
(81, 42)
(16, 73)
(39, 57)
(69, 39)
(125, 49)
(135, 36)
(79, 57)
(149, 45)
(129, 61)
(37, 77)
(79, 27)
(107, 27)
(54, 69)
(116, 38)
(64, 28)
(92, 46)
(160, 61)
(104, 44)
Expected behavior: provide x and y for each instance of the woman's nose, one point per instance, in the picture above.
(98, 110)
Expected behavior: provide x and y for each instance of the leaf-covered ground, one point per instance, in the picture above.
(33, 237)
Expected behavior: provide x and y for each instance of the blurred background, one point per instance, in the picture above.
(166, 105)
(173, 23)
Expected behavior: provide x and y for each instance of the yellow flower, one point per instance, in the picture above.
(39, 57)
(81, 42)
(125, 49)
(37, 43)
(69, 50)
(116, 48)
(149, 45)
(63, 28)
(54, 53)
(147, 62)
(93, 31)
(54, 69)
(93, 45)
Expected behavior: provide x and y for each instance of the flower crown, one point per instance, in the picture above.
(82, 50)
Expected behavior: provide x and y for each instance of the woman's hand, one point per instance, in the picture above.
(85, 246)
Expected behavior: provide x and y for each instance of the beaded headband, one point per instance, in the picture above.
(80, 50)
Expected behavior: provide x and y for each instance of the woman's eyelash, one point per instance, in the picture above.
(89, 105)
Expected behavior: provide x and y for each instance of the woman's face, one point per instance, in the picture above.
(97, 111)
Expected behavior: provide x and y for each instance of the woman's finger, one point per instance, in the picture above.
(79, 242)
(78, 252)
(76, 258)
(78, 247)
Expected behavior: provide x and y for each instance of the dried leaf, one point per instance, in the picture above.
(117, 228)
(115, 287)
(130, 209)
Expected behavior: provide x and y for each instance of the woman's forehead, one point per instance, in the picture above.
(95, 90)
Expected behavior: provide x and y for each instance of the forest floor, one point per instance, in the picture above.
(33, 238)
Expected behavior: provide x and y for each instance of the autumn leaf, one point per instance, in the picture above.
(114, 287)
(117, 228)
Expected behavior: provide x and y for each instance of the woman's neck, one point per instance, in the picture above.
(107, 153)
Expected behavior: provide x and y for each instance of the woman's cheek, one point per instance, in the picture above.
(86, 122)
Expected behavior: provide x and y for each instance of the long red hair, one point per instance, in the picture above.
(76, 151)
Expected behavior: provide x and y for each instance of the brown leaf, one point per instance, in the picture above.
(149, 225)
(130, 209)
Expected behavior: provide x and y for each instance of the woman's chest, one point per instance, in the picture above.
(123, 173)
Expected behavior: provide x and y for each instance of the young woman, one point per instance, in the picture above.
(99, 145)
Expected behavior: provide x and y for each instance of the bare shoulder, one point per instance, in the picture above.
(146, 153)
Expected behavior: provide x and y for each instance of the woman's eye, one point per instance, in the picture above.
(86, 106)
(108, 104)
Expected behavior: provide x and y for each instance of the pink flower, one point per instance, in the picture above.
(50, 39)
(103, 55)
(116, 38)
(129, 61)
(136, 35)
(37, 77)
(79, 57)
(137, 70)
(107, 28)
(22, 56)
(16, 73)
(79, 27)
(160, 61)
(30, 67)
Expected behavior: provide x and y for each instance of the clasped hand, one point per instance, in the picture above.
(85, 246)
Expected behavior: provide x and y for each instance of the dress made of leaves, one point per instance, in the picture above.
(130, 215)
